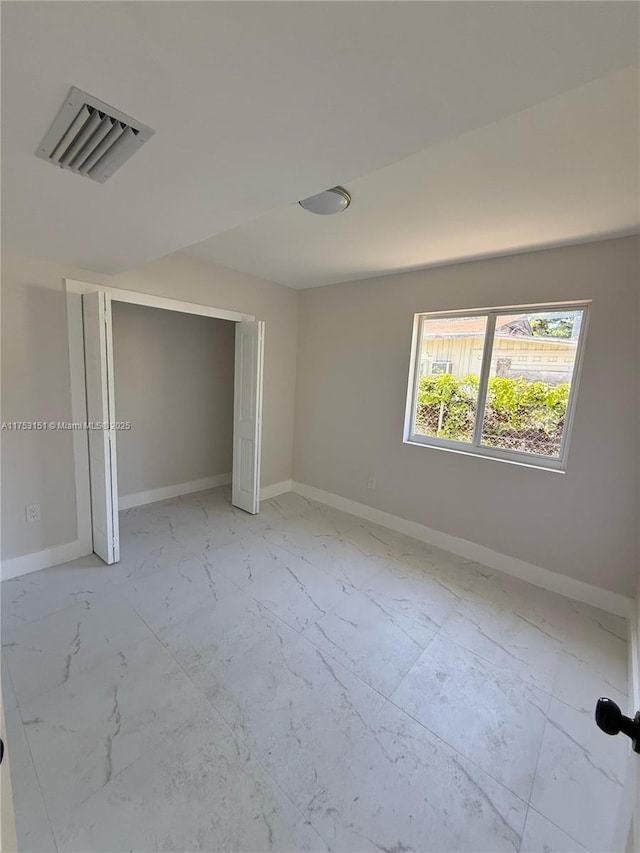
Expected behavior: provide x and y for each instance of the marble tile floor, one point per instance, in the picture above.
(301, 680)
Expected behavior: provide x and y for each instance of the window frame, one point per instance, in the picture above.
(474, 447)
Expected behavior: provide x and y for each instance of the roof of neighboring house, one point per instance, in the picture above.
(508, 325)
(466, 325)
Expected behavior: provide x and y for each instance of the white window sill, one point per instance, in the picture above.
(492, 456)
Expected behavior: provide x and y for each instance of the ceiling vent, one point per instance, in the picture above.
(91, 138)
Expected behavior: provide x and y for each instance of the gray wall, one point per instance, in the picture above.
(38, 467)
(353, 361)
(174, 383)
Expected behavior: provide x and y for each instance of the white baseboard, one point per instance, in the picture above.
(276, 489)
(167, 492)
(578, 590)
(17, 566)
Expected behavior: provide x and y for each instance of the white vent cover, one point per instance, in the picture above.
(91, 138)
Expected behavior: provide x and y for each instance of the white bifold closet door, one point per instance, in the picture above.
(98, 352)
(247, 415)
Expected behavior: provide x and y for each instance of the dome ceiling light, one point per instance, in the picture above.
(334, 200)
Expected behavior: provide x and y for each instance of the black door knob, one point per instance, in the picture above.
(611, 720)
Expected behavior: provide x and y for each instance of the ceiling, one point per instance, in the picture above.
(561, 172)
(256, 105)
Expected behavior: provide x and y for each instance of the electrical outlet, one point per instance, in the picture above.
(372, 483)
(33, 513)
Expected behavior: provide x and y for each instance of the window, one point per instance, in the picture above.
(441, 367)
(498, 383)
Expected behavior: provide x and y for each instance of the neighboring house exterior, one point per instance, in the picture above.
(454, 345)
